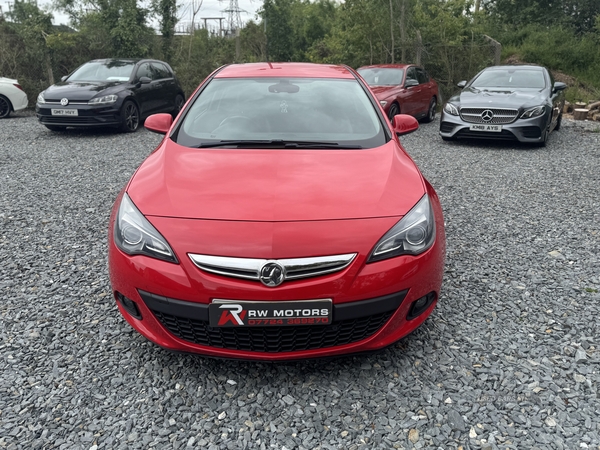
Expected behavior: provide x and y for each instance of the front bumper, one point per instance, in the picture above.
(87, 115)
(522, 130)
(374, 305)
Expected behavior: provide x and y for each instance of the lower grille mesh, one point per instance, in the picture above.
(274, 339)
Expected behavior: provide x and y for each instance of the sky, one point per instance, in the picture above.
(210, 8)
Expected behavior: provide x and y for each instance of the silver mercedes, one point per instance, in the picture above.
(515, 103)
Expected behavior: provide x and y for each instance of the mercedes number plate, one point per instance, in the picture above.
(65, 112)
(231, 313)
(484, 127)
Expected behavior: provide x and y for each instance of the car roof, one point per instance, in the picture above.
(116, 59)
(388, 66)
(515, 67)
(301, 70)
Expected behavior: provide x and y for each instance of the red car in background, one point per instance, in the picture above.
(403, 89)
(279, 218)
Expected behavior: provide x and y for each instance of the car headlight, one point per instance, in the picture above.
(134, 235)
(41, 98)
(533, 112)
(412, 235)
(451, 109)
(383, 102)
(107, 99)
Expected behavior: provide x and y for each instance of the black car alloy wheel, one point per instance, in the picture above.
(431, 111)
(130, 116)
(5, 107)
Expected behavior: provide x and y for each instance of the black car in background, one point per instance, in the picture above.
(111, 92)
(520, 102)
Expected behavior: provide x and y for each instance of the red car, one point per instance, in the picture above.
(403, 88)
(279, 218)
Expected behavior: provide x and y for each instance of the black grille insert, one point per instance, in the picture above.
(274, 339)
(352, 322)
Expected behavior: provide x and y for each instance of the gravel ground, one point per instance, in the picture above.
(509, 359)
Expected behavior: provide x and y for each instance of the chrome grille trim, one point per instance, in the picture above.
(250, 268)
(501, 115)
(58, 103)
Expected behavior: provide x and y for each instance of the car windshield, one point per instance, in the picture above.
(375, 76)
(103, 71)
(282, 113)
(510, 78)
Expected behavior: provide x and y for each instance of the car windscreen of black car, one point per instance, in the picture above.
(335, 113)
(103, 71)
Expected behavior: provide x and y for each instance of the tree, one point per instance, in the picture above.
(280, 34)
(166, 10)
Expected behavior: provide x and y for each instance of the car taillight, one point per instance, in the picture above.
(18, 86)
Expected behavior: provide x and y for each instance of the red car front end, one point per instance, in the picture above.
(276, 253)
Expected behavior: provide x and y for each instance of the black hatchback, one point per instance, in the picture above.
(111, 92)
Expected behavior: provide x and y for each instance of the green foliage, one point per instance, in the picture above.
(448, 37)
(280, 33)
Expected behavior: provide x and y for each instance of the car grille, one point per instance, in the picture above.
(274, 339)
(474, 115)
(292, 269)
(79, 120)
(504, 135)
(352, 322)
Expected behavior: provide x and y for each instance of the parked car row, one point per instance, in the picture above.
(517, 102)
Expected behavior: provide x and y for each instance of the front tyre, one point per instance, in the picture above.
(5, 107)
(130, 117)
(558, 122)
(393, 111)
(431, 111)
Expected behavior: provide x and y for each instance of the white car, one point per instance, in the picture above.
(12, 97)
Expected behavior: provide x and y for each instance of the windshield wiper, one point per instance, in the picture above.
(276, 143)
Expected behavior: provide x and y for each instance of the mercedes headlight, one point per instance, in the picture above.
(451, 109)
(533, 112)
(135, 235)
(412, 235)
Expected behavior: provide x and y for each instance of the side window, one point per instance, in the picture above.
(160, 71)
(411, 74)
(422, 76)
(144, 71)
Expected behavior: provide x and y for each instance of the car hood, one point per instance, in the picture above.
(498, 98)
(80, 90)
(382, 92)
(276, 185)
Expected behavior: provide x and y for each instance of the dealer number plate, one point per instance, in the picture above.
(231, 313)
(484, 127)
(65, 112)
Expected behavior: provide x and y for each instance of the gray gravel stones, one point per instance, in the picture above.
(509, 359)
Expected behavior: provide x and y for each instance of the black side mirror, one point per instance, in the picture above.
(559, 86)
(410, 83)
(145, 80)
(462, 84)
